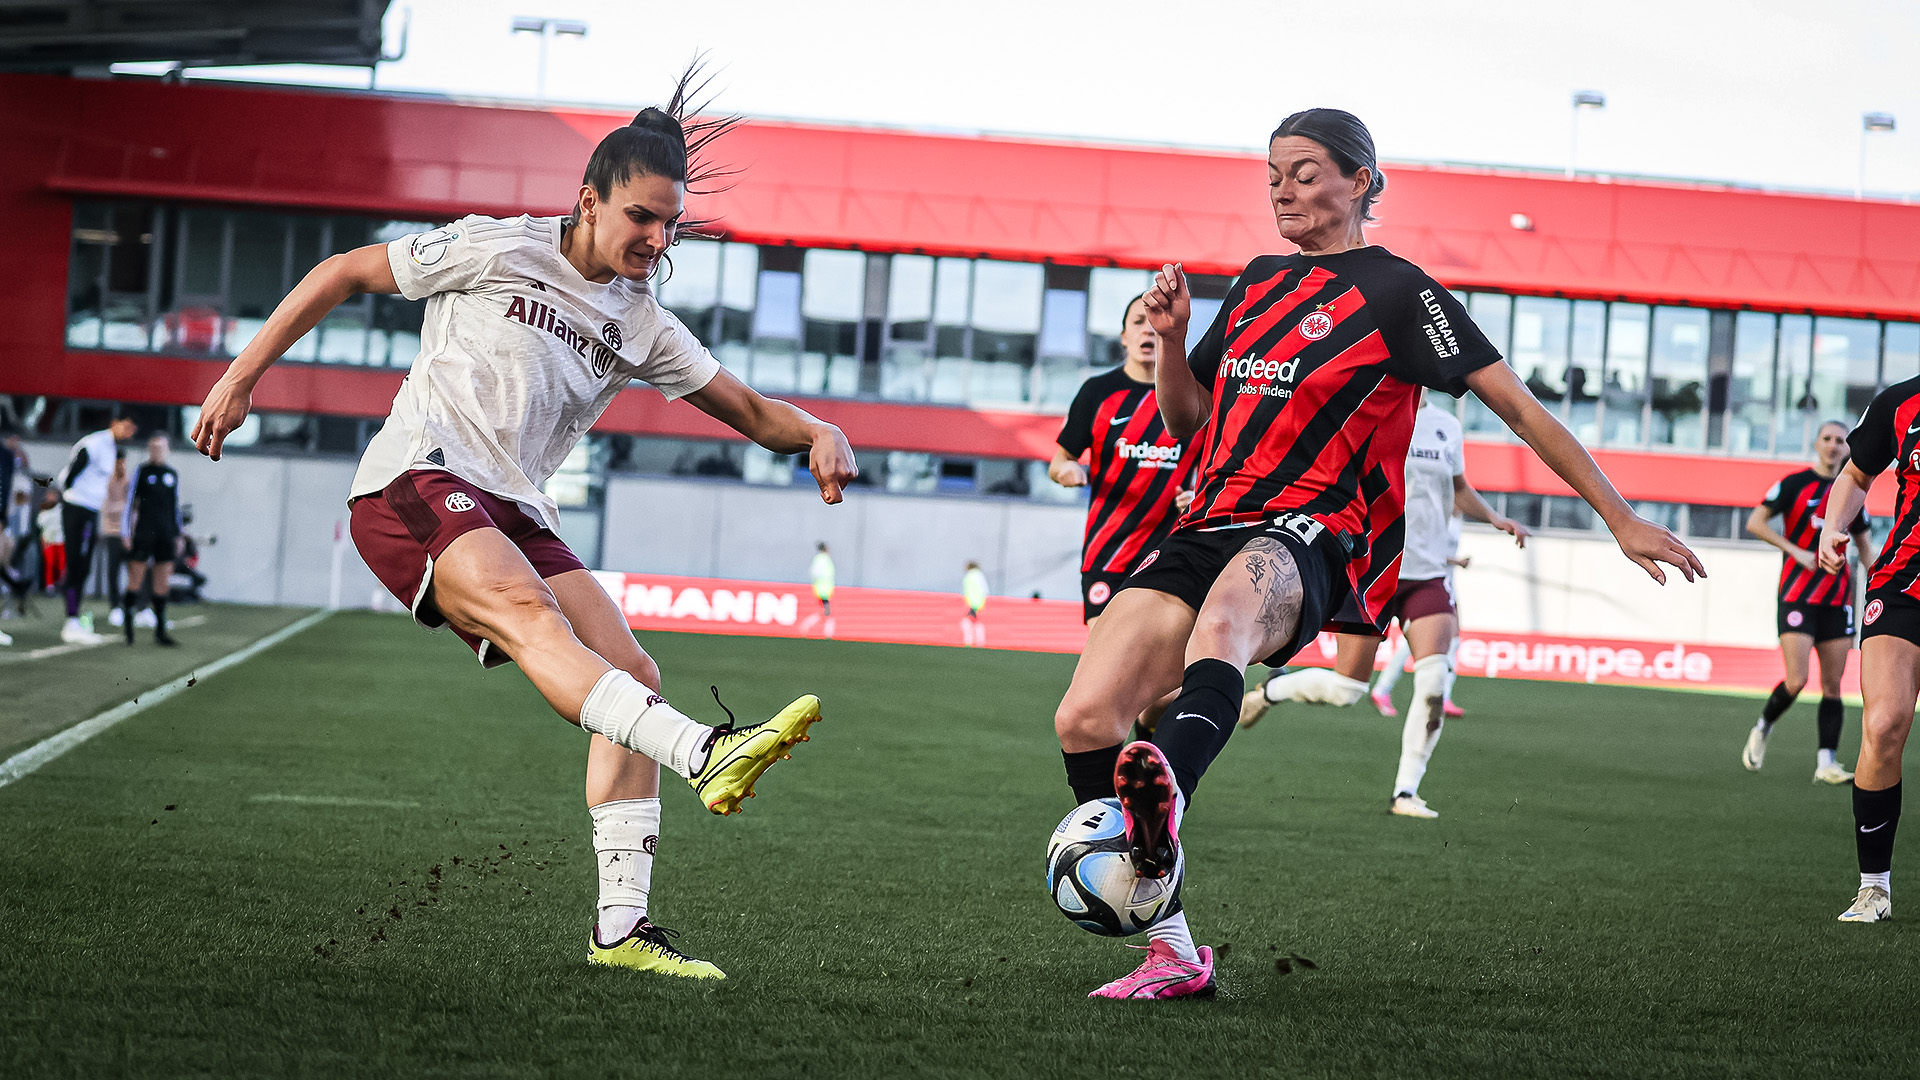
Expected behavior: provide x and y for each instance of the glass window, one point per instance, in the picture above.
(776, 332)
(1493, 313)
(1624, 395)
(1586, 352)
(1007, 303)
(906, 363)
(1528, 510)
(126, 301)
(1664, 514)
(1902, 358)
(739, 273)
(691, 286)
(1712, 522)
(1569, 512)
(1108, 291)
(832, 298)
(1678, 376)
(1846, 367)
(343, 333)
(86, 273)
(1799, 404)
(952, 339)
(1063, 324)
(1750, 384)
(1540, 343)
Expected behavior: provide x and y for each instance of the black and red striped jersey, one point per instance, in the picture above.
(1889, 434)
(1316, 364)
(1800, 500)
(1134, 469)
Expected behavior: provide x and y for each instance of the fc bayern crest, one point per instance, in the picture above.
(1316, 326)
(459, 502)
(610, 334)
(1874, 608)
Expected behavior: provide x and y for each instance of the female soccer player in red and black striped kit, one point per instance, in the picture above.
(1137, 471)
(1307, 384)
(1889, 434)
(1816, 608)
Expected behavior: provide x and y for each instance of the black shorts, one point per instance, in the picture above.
(1890, 611)
(1822, 622)
(158, 545)
(1096, 588)
(1186, 564)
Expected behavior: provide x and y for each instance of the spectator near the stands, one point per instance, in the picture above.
(113, 535)
(53, 541)
(83, 487)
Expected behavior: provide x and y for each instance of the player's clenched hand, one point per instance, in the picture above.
(225, 409)
(831, 462)
(1807, 559)
(1650, 545)
(1514, 529)
(1833, 551)
(1168, 303)
(1182, 500)
(1068, 473)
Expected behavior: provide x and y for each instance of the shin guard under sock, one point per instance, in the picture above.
(1196, 726)
(1832, 712)
(1090, 772)
(1876, 814)
(1778, 702)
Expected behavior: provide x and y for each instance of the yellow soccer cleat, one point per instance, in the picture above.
(737, 756)
(647, 949)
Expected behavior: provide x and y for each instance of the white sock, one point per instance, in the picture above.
(625, 711)
(624, 836)
(1314, 686)
(1390, 674)
(1762, 726)
(1826, 759)
(1884, 880)
(1173, 933)
(1432, 678)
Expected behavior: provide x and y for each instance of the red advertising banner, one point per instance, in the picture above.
(776, 609)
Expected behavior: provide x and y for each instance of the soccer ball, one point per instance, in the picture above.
(1090, 874)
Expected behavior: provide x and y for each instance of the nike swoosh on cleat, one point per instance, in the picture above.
(1197, 716)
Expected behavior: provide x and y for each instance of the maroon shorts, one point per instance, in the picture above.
(401, 530)
(1417, 599)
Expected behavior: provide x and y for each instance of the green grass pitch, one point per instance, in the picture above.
(360, 855)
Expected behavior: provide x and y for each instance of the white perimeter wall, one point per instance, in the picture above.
(273, 519)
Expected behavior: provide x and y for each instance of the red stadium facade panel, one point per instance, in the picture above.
(885, 190)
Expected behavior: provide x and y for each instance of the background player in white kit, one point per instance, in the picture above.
(532, 326)
(1436, 487)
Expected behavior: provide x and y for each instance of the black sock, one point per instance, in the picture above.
(1876, 814)
(1195, 728)
(129, 601)
(1090, 772)
(1832, 712)
(1777, 702)
(159, 613)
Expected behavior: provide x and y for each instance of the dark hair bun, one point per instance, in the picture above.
(659, 120)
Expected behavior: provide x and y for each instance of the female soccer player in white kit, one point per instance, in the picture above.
(532, 325)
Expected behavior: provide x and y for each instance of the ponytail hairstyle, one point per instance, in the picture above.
(665, 142)
(1347, 139)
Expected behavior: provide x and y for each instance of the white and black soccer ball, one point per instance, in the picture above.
(1090, 874)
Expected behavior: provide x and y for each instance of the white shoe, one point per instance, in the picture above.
(115, 617)
(1412, 806)
(1831, 774)
(6, 639)
(73, 633)
(1254, 706)
(144, 619)
(1872, 904)
(1754, 754)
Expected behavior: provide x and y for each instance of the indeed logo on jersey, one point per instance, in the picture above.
(1149, 455)
(1440, 329)
(541, 317)
(1258, 376)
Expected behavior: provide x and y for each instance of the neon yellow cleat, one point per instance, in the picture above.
(647, 949)
(737, 756)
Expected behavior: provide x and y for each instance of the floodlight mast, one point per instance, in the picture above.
(1583, 100)
(1869, 123)
(547, 29)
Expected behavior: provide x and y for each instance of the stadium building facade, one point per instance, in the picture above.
(939, 297)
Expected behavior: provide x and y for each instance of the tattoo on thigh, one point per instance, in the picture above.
(1277, 580)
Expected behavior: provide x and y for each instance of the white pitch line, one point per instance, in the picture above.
(111, 637)
(334, 800)
(59, 743)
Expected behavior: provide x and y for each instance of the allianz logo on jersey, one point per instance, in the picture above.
(1261, 376)
(541, 316)
(1149, 455)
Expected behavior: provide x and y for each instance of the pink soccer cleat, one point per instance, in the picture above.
(1163, 975)
(1452, 711)
(1144, 782)
(1384, 702)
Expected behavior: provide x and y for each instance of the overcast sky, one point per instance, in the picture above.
(1765, 92)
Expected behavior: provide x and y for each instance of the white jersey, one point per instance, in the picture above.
(519, 355)
(87, 486)
(1434, 457)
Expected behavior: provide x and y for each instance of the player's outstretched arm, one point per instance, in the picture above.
(782, 428)
(1844, 503)
(1065, 470)
(1469, 502)
(325, 287)
(1646, 543)
(1184, 403)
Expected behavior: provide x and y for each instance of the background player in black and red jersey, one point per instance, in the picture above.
(1139, 473)
(1889, 434)
(1816, 608)
(1306, 384)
